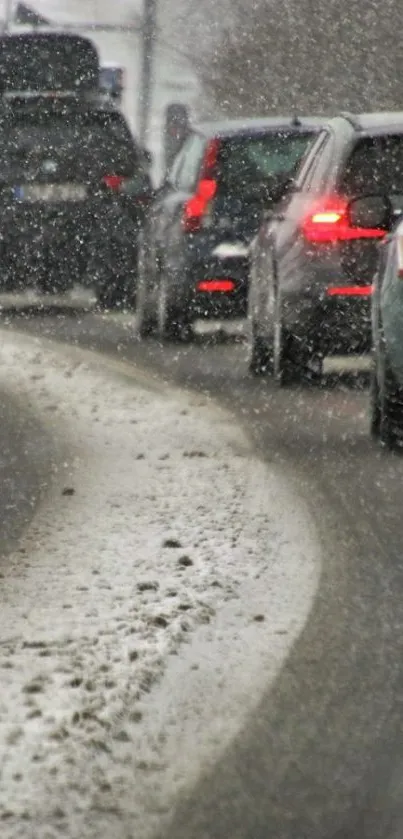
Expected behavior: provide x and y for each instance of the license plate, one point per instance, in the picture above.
(50, 193)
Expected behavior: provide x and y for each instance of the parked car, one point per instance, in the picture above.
(386, 404)
(193, 258)
(311, 269)
(74, 190)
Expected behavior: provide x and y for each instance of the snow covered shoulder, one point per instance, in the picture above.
(151, 601)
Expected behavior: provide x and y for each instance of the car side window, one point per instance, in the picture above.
(308, 161)
(173, 175)
(193, 155)
(321, 166)
(375, 164)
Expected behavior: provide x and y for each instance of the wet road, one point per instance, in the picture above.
(323, 754)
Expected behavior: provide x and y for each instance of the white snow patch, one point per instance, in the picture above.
(106, 713)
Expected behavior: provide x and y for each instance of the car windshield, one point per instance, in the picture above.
(89, 142)
(248, 161)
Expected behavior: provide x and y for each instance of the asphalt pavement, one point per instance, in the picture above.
(322, 756)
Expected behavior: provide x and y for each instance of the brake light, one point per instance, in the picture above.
(210, 159)
(113, 182)
(328, 222)
(216, 285)
(196, 208)
(350, 291)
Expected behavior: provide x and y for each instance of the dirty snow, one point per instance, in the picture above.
(153, 598)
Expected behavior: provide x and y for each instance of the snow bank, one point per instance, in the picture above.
(153, 598)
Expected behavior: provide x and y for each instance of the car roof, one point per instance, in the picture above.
(373, 124)
(240, 127)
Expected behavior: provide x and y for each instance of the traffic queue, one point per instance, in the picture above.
(291, 223)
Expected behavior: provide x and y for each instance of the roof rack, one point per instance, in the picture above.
(15, 100)
(352, 119)
(11, 95)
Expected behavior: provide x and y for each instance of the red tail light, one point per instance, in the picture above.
(350, 291)
(328, 222)
(113, 182)
(210, 159)
(196, 207)
(216, 285)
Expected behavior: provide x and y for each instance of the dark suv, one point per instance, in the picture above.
(311, 268)
(194, 254)
(73, 190)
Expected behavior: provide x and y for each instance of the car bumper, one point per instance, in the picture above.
(72, 250)
(215, 286)
(338, 324)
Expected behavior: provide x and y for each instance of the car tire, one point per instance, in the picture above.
(105, 299)
(261, 354)
(147, 321)
(119, 296)
(290, 362)
(174, 323)
(390, 409)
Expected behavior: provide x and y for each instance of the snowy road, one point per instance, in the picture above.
(153, 598)
(322, 755)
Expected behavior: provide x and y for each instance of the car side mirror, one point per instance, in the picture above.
(371, 212)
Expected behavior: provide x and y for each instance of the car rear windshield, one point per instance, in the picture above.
(85, 142)
(376, 164)
(246, 161)
(48, 62)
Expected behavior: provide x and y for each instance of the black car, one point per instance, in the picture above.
(74, 187)
(311, 268)
(194, 254)
(46, 60)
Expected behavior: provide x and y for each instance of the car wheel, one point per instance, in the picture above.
(390, 409)
(174, 324)
(119, 296)
(261, 355)
(147, 321)
(290, 360)
(105, 298)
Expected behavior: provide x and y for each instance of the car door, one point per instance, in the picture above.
(163, 197)
(280, 240)
(170, 200)
(290, 250)
(174, 238)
